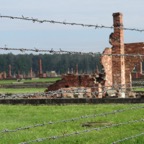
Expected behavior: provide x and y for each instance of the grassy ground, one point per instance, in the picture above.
(21, 90)
(25, 90)
(138, 89)
(16, 116)
(3, 82)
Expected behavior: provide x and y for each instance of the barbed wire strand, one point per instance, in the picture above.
(60, 51)
(68, 23)
(72, 119)
(128, 138)
(81, 132)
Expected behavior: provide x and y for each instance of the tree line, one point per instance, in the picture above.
(50, 62)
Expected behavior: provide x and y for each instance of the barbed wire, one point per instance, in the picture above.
(72, 119)
(128, 138)
(37, 50)
(83, 131)
(60, 51)
(68, 23)
(51, 51)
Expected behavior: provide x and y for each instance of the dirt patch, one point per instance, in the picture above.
(96, 124)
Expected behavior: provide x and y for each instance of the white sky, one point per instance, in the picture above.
(18, 33)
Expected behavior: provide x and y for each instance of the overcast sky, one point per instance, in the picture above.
(26, 34)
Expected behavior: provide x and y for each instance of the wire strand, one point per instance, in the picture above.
(67, 23)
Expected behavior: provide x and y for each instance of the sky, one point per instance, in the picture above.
(26, 34)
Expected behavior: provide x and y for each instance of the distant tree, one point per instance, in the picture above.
(59, 63)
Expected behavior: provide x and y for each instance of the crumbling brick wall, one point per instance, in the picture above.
(75, 80)
(131, 61)
(107, 64)
(3, 75)
(120, 66)
(72, 80)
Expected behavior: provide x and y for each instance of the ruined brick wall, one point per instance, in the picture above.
(131, 61)
(121, 66)
(72, 80)
(107, 65)
(3, 75)
(93, 82)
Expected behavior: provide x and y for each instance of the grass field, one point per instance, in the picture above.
(3, 82)
(17, 116)
(21, 90)
(25, 90)
(138, 89)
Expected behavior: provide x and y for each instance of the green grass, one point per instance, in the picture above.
(42, 80)
(14, 116)
(25, 90)
(21, 90)
(138, 89)
(4, 82)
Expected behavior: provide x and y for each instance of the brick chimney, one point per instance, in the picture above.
(9, 71)
(76, 71)
(117, 41)
(40, 68)
(31, 72)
